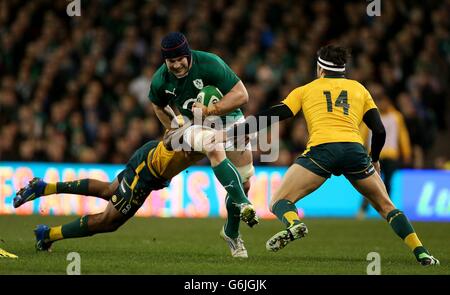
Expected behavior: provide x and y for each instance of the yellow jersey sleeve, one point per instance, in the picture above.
(294, 100)
(368, 102)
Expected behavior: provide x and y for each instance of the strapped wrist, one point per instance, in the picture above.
(212, 110)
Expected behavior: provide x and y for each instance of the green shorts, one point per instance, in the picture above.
(348, 158)
(136, 182)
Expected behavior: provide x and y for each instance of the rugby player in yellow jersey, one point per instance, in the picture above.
(150, 168)
(334, 107)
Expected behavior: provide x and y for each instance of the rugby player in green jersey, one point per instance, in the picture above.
(178, 81)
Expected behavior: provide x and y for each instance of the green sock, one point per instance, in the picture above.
(76, 229)
(79, 187)
(403, 228)
(286, 212)
(233, 219)
(229, 177)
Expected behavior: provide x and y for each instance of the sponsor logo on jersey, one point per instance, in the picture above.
(170, 92)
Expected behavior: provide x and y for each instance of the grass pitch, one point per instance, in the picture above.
(193, 246)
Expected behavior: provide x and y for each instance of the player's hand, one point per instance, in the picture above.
(199, 108)
(376, 165)
(168, 133)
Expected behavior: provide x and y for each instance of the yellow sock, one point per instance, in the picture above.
(412, 241)
(291, 217)
(50, 189)
(55, 233)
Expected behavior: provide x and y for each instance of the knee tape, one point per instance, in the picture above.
(246, 172)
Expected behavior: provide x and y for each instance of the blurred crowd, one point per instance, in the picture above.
(74, 89)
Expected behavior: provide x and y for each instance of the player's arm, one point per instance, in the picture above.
(373, 120)
(223, 77)
(174, 135)
(162, 108)
(235, 98)
(272, 115)
(164, 114)
(288, 108)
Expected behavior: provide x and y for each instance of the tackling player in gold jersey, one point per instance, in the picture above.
(150, 168)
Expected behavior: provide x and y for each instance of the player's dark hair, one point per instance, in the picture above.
(335, 54)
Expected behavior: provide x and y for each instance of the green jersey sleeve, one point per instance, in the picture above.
(155, 94)
(220, 74)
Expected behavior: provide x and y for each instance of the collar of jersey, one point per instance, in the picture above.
(334, 76)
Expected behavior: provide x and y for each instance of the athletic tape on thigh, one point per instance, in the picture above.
(246, 172)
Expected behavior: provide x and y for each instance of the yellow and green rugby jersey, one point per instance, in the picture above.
(207, 69)
(333, 108)
(166, 164)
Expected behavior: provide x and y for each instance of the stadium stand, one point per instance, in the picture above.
(75, 88)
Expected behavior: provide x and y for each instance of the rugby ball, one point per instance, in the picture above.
(209, 95)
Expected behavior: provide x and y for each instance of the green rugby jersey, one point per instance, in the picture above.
(207, 69)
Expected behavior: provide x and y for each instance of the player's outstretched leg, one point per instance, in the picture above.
(88, 225)
(374, 190)
(33, 190)
(403, 228)
(45, 235)
(37, 188)
(42, 235)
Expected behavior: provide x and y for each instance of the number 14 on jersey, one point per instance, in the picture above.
(341, 101)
